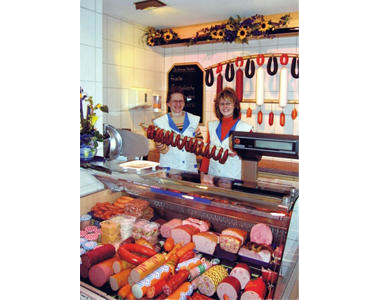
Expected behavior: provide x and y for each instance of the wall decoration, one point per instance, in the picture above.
(236, 30)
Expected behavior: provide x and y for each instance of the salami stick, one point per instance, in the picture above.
(239, 84)
(219, 83)
(175, 281)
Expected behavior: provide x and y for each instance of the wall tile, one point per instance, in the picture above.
(114, 53)
(99, 34)
(99, 54)
(127, 33)
(148, 60)
(139, 37)
(105, 27)
(87, 27)
(139, 78)
(114, 100)
(87, 63)
(114, 119)
(139, 60)
(99, 6)
(126, 120)
(105, 75)
(99, 98)
(114, 76)
(89, 87)
(127, 55)
(114, 29)
(126, 77)
(89, 4)
(149, 79)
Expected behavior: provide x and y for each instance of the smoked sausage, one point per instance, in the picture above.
(269, 66)
(209, 79)
(230, 73)
(249, 65)
(282, 119)
(293, 66)
(224, 157)
(271, 118)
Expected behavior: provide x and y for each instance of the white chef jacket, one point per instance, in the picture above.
(175, 158)
(232, 167)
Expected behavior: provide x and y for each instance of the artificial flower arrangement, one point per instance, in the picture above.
(89, 135)
(234, 30)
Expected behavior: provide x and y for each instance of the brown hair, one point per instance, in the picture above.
(229, 94)
(175, 90)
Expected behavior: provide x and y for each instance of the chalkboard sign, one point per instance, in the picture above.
(190, 78)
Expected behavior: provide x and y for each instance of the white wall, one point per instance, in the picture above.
(91, 69)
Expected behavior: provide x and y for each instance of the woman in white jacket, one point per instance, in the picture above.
(227, 110)
(183, 123)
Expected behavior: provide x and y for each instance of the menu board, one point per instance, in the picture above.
(190, 78)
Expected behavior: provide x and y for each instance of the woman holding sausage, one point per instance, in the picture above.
(180, 122)
(227, 110)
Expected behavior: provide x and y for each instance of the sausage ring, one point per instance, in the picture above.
(284, 59)
(189, 144)
(205, 152)
(175, 141)
(249, 64)
(209, 79)
(239, 58)
(293, 65)
(198, 150)
(260, 59)
(194, 146)
(219, 155)
(166, 137)
(125, 254)
(158, 135)
(224, 157)
(230, 72)
(169, 138)
(150, 132)
(182, 143)
(212, 153)
(275, 66)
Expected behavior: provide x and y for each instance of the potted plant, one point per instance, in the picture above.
(89, 135)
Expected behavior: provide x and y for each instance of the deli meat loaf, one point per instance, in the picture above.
(261, 234)
(205, 242)
(183, 234)
(95, 256)
(236, 232)
(254, 290)
(229, 286)
(201, 225)
(262, 255)
(243, 273)
(165, 229)
(229, 243)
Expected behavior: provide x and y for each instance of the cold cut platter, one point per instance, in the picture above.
(126, 256)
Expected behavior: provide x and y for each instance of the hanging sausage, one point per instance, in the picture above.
(249, 68)
(271, 118)
(209, 78)
(230, 72)
(239, 79)
(249, 112)
(294, 113)
(219, 78)
(260, 86)
(294, 65)
(269, 66)
(282, 119)
(284, 59)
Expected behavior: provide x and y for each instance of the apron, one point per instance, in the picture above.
(232, 167)
(175, 158)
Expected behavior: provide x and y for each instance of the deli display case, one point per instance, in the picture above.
(271, 200)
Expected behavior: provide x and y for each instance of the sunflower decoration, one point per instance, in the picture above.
(156, 37)
(168, 36)
(214, 34)
(242, 34)
(220, 34)
(265, 26)
(150, 41)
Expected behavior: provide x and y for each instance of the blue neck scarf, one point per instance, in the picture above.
(219, 130)
(173, 125)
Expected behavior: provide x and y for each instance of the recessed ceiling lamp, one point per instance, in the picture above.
(148, 4)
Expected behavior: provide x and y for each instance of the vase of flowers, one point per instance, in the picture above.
(89, 135)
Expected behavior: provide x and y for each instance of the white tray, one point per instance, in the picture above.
(139, 165)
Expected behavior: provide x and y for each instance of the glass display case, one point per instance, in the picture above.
(224, 202)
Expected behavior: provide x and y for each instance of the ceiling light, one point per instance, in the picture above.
(148, 4)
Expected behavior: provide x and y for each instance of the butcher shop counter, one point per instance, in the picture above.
(223, 202)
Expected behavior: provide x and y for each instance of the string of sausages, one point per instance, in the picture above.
(192, 145)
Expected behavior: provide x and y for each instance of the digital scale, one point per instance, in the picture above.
(252, 146)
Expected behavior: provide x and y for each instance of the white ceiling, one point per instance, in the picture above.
(190, 12)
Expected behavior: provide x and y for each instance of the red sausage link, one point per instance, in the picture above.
(175, 281)
(219, 83)
(159, 135)
(259, 117)
(194, 147)
(199, 149)
(150, 131)
(282, 119)
(189, 144)
(219, 155)
(294, 114)
(239, 85)
(224, 157)
(284, 59)
(176, 141)
(182, 143)
(212, 153)
(271, 118)
(166, 137)
(260, 59)
(125, 254)
(205, 152)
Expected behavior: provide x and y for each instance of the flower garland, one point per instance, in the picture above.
(234, 30)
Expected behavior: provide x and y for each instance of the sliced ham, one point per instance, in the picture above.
(201, 225)
(261, 234)
(166, 228)
(183, 234)
(263, 255)
(236, 232)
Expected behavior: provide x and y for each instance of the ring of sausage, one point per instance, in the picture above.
(176, 141)
(209, 79)
(284, 59)
(182, 143)
(219, 154)
(194, 147)
(250, 64)
(260, 59)
(189, 144)
(219, 68)
(166, 137)
(124, 251)
(205, 152)
(199, 149)
(269, 66)
(159, 135)
(212, 153)
(293, 66)
(224, 157)
(239, 59)
(230, 72)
